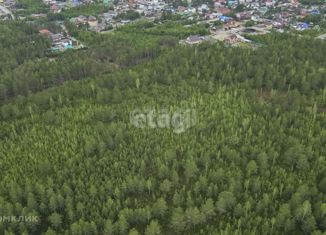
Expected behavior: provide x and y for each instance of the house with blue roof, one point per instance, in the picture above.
(302, 26)
(224, 18)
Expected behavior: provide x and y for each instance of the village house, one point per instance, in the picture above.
(232, 39)
(270, 3)
(224, 19)
(92, 21)
(38, 16)
(55, 8)
(230, 25)
(223, 10)
(244, 15)
(60, 41)
(220, 2)
(8, 3)
(194, 39)
(322, 37)
(107, 17)
(302, 26)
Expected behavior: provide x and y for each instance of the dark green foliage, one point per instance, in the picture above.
(27, 67)
(129, 15)
(31, 6)
(253, 163)
(85, 9)
(250, 23)
(312, 2)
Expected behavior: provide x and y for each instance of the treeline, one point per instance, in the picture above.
(266, 68)
(312, 2)
(31, 6)
(28, 67)
(169, 28)
(85, 9)
(129, 15)
(19, 42)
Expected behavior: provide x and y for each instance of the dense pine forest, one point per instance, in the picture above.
(252, 163)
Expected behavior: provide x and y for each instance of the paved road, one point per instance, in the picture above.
(7, 11)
